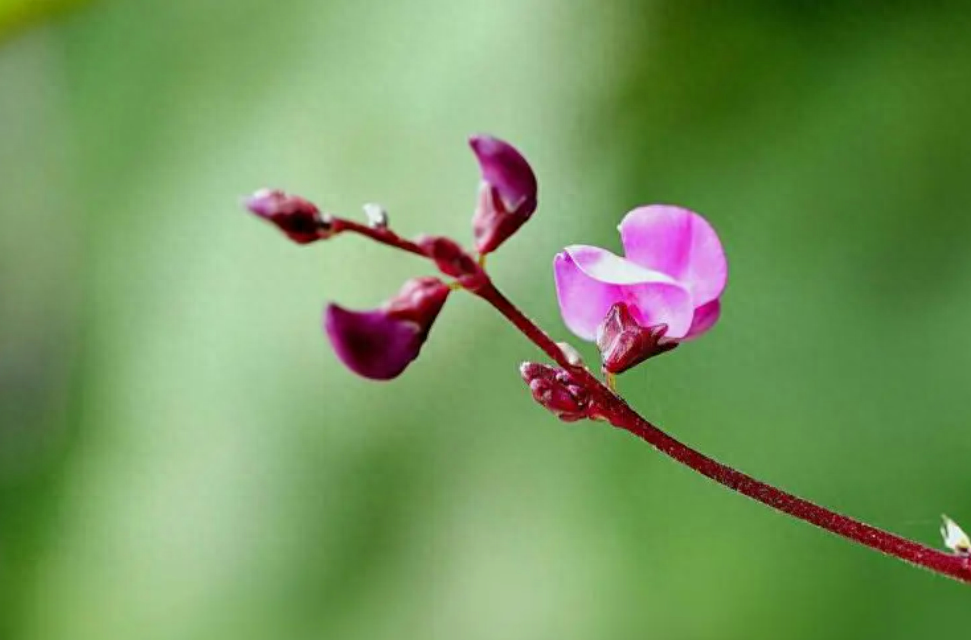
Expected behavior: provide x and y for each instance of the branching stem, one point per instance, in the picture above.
(619, 414)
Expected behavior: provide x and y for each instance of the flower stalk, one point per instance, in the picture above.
(666, 289)
(618, 413)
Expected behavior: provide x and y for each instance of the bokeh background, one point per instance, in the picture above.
(182, 456)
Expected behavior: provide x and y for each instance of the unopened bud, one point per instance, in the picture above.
(381, 343)
(419, 300)
(299, 219)
(556, 390)
(507, 196)
(453, 260)
(623, 343)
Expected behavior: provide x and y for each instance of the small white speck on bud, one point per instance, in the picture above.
(377, 217)
(325, 223)
(954, 537)
(571, 354)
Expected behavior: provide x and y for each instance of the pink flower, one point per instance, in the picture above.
(673, 273)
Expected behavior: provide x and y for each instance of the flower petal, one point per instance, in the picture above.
(372, 343)
(506, 170)
(705, 318)
(590, 280)
(583, 300)
(679, 243)
(603, 265)
(655, 303)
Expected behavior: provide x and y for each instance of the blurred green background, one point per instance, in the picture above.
(182, 456)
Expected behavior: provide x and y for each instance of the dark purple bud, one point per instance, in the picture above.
(453, 260)
(298, 218)
(507, 197)
(380, 344)
(419, 300)
(556, 390)
(623, 343)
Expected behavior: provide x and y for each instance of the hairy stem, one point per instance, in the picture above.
(622, 416)
(619, 414)
(951, 565)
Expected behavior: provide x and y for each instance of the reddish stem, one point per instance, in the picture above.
(622, 416)
(379, 234)
(951, 565)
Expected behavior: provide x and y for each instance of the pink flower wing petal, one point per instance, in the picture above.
(605, 266)
(679, 243)
(656, 303)
(583, 300)
(589, 280)
(704, 319)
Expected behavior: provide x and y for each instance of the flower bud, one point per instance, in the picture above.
(380, 344)
(554, 389)
(297, 218)
(507, 196)
(623, 343)
(453, 260)
(419, 300)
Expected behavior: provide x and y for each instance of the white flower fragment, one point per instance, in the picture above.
(954, 537)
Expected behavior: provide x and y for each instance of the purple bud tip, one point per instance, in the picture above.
(380, 344)
(299, 219)
(623, 343)
(555, 389)
(508, 194)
